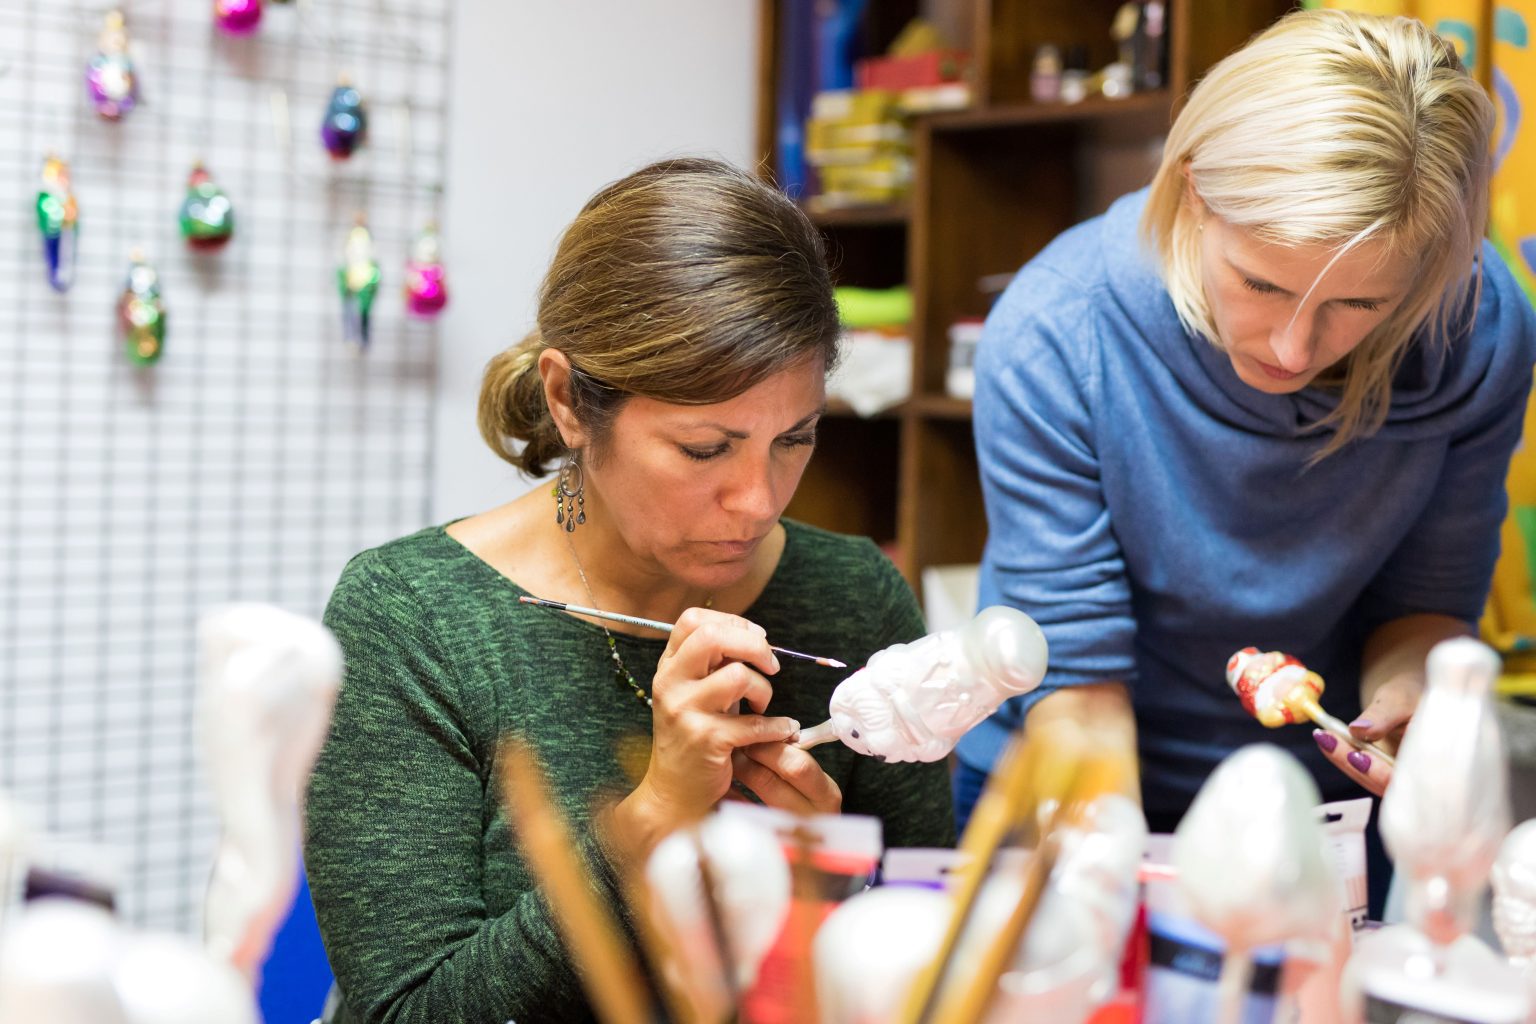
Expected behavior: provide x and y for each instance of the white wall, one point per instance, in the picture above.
(550, 101)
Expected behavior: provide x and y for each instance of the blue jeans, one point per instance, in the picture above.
(965, 784)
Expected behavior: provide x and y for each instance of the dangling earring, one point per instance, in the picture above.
(570, 495)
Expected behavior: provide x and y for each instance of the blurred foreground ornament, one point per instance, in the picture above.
(358, 281)
(426, 291)
(1514, 897)
(721, 889)
(109, 77)
(207, 216)
(345, 127)
(142, 313)
(1444, 820)
(237, 17)
(269, 682)
(65, 962)
(1252, 862)
(58, 219)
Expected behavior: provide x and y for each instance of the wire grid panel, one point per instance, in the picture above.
(259, 454)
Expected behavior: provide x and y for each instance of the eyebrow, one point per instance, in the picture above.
(1256, 279)
(737, 435)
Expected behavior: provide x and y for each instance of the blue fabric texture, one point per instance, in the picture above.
(1154, 513)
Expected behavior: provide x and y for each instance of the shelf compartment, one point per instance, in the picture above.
(939, 461)
(850, 484)
(1155, 105)
(884, 215)
(940, 407)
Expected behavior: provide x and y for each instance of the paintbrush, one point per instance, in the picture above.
(660, 627)
(996, 813)
(969, 1000)
(605, 964)
(1029, 773)
(683, 1001)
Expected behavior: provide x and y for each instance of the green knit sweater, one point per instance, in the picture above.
(428, 914)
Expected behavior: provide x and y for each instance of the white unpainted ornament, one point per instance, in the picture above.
(269, 683)
(914, 701)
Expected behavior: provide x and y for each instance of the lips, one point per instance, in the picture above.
(735, 547)
(1275, 372)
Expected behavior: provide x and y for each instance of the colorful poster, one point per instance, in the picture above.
(1383, 7)
(1514, 183)
(1462, 22)
(1510, 622)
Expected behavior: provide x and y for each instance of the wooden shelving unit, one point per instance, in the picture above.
(992, 185)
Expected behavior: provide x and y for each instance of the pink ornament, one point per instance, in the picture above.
(426, 290)
(237, 17)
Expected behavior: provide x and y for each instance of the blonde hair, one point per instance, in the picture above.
(1336, 128)
(687, 282)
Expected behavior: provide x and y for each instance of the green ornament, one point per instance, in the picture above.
(141, 313)
(207, 216)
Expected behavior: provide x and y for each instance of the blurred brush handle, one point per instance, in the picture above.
(1333, 725)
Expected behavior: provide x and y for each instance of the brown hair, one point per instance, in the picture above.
(688, 281)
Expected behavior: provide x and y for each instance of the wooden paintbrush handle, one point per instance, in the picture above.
(1332, 725)
(603, 961)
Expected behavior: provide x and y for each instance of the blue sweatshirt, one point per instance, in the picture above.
(1155, 514)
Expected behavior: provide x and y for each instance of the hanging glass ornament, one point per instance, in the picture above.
(58, 219)
(358, 281)
(345, 127)
(142, 313)
(207, 216)
(109, 77)
(426, 292)
(237, 17)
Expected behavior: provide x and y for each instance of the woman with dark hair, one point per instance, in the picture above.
(676, 378)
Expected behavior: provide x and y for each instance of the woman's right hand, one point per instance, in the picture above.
(712, 662)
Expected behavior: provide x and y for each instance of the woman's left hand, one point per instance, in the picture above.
(787, 777)
(1380, 724)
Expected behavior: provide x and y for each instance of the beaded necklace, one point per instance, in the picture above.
(621, 673)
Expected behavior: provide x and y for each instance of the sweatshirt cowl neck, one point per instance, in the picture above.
(1431, 389)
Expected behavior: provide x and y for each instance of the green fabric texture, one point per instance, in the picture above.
(427, 912)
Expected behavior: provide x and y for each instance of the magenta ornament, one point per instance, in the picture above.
(237, 17)
(426, 289)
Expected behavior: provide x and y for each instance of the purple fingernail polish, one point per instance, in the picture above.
(1325, 740)
(1362, 723)
(1359, 762)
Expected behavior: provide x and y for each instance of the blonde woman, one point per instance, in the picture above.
(1268, 401)
(675, 381)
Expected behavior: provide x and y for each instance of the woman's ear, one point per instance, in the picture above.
(555, 372)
